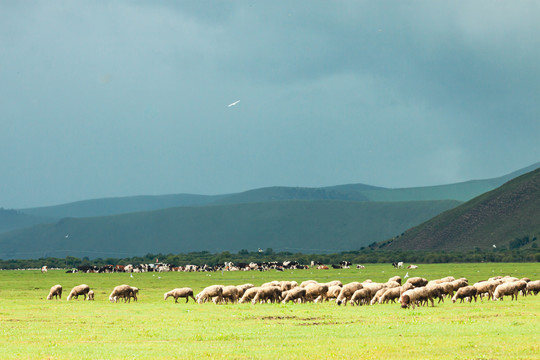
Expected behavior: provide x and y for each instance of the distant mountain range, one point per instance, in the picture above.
(507, 217)
(310, 220)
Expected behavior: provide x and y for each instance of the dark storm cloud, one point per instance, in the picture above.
(127, 98)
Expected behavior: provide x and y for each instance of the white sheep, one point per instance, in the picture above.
(210, 292)
(56, 291)
(347, 292)
(533, 287)
(179, 293)
(82, 289)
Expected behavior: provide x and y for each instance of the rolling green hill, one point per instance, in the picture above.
(507, 217)
(350, 192)
(296, 226)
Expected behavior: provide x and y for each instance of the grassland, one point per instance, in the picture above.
(34, 328)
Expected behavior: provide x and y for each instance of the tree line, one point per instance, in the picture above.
(363, 256)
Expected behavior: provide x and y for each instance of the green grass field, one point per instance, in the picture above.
(35, 328)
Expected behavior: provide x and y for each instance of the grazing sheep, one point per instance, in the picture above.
(316, 291)
(243, 288)
(415, 297)
(405, 287)
(459, 283)
(333, 292)
(390, 295)
(249, 294)
(230, 293)
(417, 281)
(295, 294)
(485, 288)
(267, 293)
(121, 292)
(465, 292)
(82, 289)
(271, 283)
(56, 291)
(91, 295)
(377, 297)
(361, 297)
(287, 285)
(436, 291)
(210, 292)
(533, 287)
(509, 288)
(396, 279)
(180, 293)
(347, 292)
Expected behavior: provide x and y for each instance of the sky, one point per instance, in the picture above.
(120, 98)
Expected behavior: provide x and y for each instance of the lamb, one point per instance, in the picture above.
(316, 291)
(133, 294)
(210, 292)
(249, 294)
(272, 293)
(465, 292)
(533, 287)
(509, 288)
(91, 295)
(295, 294)
(56, 291)
(121, 292)
(180, 293)
(347, 292)
(82, 289)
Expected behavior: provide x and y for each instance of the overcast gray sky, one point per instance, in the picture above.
(118, 98)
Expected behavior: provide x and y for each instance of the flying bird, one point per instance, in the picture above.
(494, 246)
(406, 275)
(234, 103)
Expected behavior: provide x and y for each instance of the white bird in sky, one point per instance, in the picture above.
(234, 103)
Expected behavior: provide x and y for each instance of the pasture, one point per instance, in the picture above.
(35, 328)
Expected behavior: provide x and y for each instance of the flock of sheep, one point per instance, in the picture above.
(125, 292)
(416, 291)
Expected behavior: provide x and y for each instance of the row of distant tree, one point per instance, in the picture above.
(364, 256)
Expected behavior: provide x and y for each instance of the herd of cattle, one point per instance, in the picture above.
(227, 266)
(416, 291)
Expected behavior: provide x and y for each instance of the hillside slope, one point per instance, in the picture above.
(498, 218)
(296, 226)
